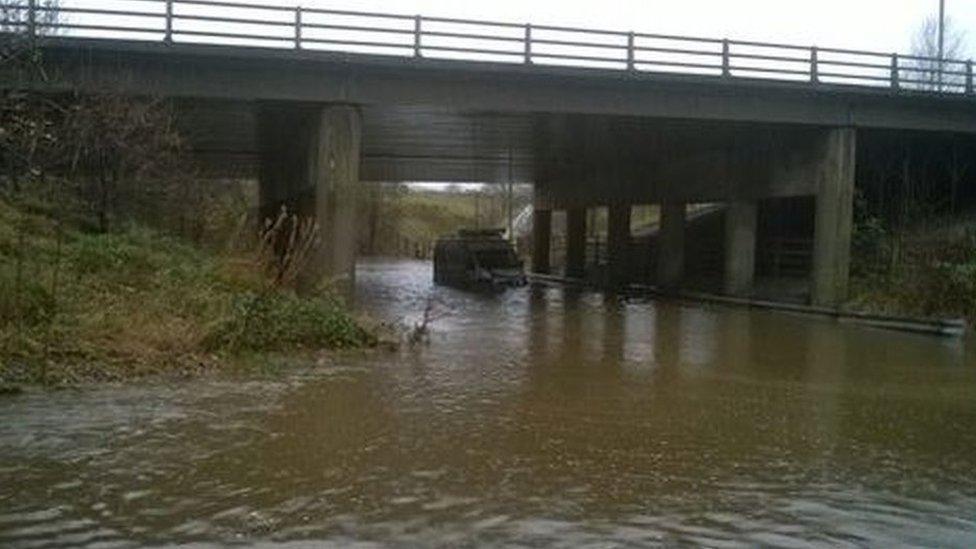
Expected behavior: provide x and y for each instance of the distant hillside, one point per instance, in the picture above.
(401, 221)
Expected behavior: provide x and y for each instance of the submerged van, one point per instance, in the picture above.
(479, 258)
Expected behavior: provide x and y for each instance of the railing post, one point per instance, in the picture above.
(630, 52)
(168, 38)
(969, 77)
(298, 27)
(895, 83)
(32, 19)
(726, 61)
(417, 33)
(941, 74)
(814, 69)
(528, 43)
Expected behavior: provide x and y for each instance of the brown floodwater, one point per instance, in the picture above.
(538, 417)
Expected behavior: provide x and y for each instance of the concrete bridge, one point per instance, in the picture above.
(592, 118)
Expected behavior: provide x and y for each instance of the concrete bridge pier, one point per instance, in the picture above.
(671, 245)
(576, 242)
(834, 217)
(309, 164)
(541, 240)
(740, 247)
(618, 242)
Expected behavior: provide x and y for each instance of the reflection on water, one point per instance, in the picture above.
(542, 417)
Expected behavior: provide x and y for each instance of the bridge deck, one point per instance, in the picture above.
(433, 111)
(302, 29)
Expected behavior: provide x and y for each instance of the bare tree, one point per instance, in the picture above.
(924, 70)
(16, 16)
(20, 60)
(126, 157)
(25, 117)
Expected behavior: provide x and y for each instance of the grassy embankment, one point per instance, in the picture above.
(928, 272)
(78, 307)
(425, 216)
(398, 220)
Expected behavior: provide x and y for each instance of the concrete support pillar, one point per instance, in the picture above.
(576, 242)
(618, 243)
(834, 218)
(671, 246)
(310, 157)
(740, 247)
(541, 241)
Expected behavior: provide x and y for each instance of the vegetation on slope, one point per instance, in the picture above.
(398, 220)
(927, 272)
(77, 306)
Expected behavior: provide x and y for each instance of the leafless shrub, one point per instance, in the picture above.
(287, 245)
(114, 147)
(420, 333)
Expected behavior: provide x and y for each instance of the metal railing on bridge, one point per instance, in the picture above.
(355, 32)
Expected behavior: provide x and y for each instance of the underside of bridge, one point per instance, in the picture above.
(310, 157)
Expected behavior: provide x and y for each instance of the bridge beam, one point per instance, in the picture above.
(740, 247)
(671, 246)
(576, 242)
(230, 72)
(309, 165)
(541, 241)
(834, 218)
(618, 242)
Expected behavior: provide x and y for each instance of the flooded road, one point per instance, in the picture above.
(541, 417)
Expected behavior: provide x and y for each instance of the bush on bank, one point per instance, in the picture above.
(77, 306)
(922, 272)
(287, 322)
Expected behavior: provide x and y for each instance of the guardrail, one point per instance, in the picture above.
(300, 28)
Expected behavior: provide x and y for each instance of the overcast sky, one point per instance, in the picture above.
(883, 25)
